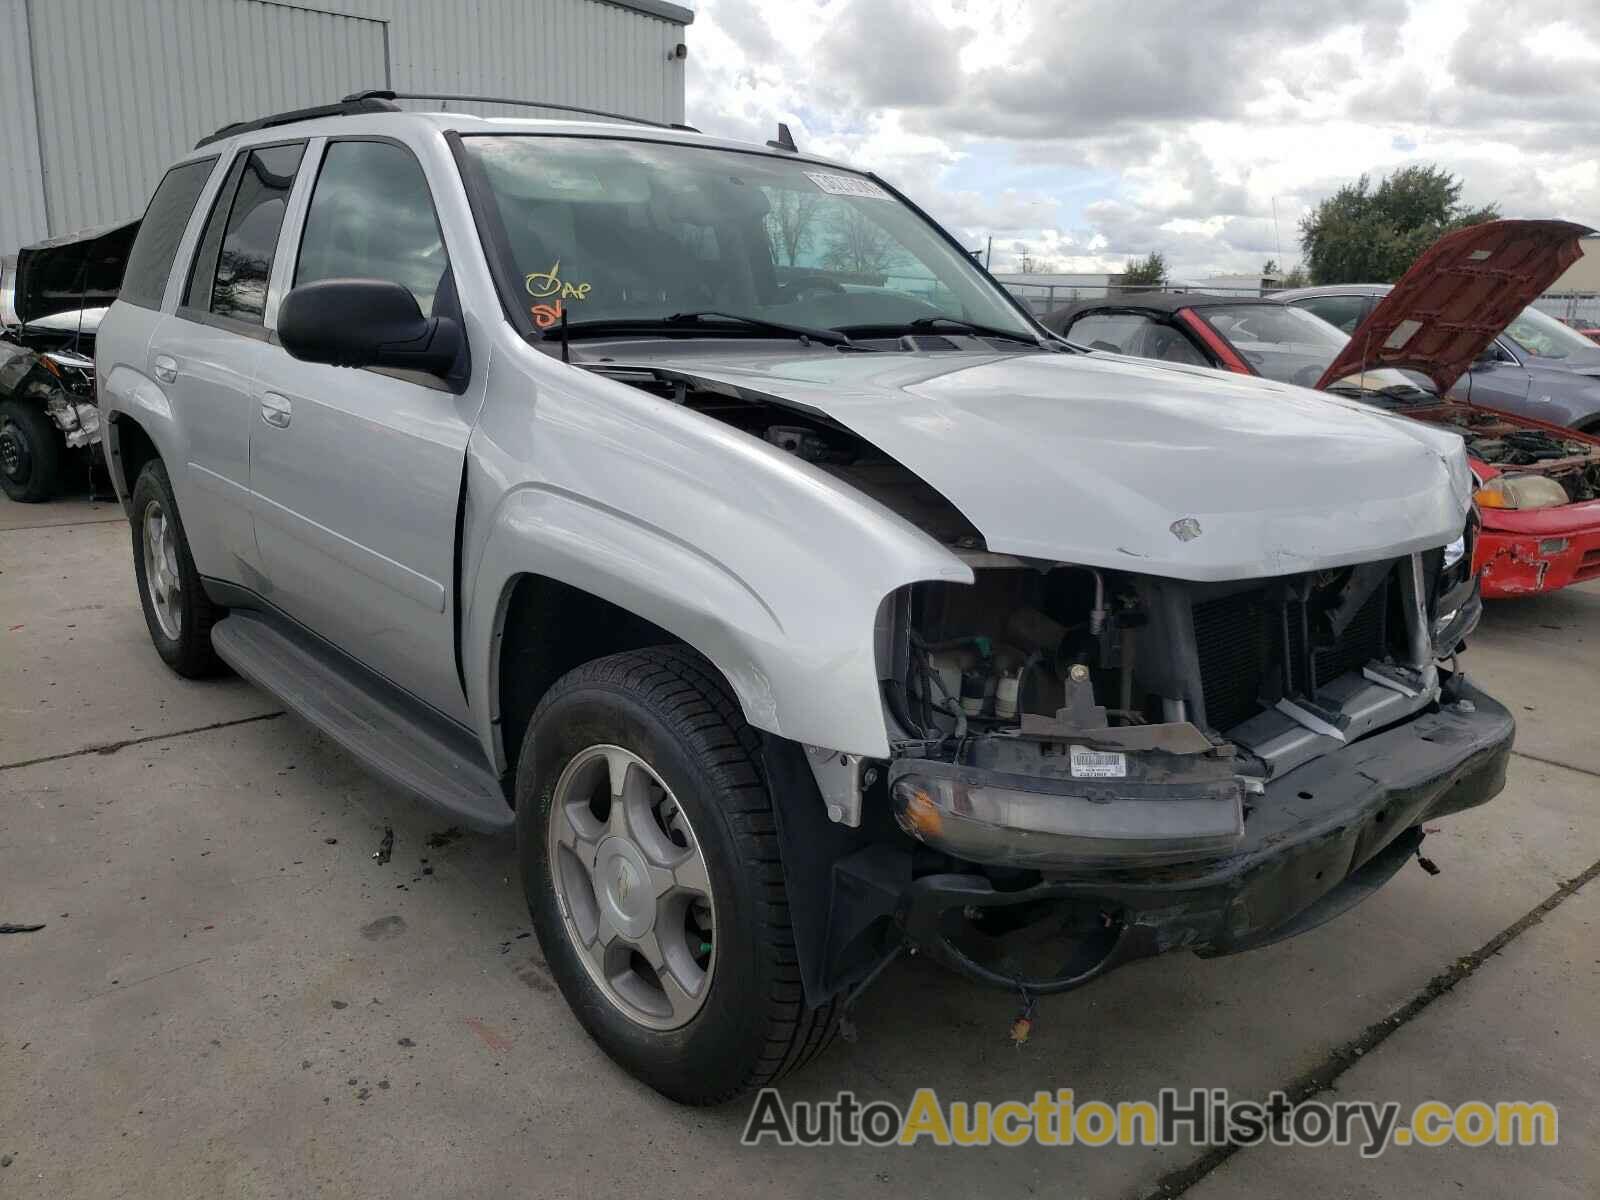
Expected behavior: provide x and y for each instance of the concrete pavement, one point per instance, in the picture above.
(230, 996)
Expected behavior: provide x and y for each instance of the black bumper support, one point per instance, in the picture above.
(1321, 839)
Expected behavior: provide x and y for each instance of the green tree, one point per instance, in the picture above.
(1270, 267)
(1294, 277)
(1366, 234)
(1150, 271)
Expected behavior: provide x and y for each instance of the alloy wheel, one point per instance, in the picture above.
(633, 887)
(162, 582)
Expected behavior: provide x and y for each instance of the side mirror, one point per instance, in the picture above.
(365, 323)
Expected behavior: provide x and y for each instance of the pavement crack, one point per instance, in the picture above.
(1556, 762)
(1341, 1058)
(113, 747)
(119, 517)
(120, 987)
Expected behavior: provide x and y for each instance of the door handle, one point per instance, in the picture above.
(275, 410)
(166, 368)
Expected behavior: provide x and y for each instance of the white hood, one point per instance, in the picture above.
(1127, 464)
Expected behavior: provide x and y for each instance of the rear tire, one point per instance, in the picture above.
(667, 715)
(30, 452)
(177, 610)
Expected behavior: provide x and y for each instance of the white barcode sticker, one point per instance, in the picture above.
(847, 185)
(1098, 764)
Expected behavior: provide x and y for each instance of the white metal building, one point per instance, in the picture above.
(97, 96)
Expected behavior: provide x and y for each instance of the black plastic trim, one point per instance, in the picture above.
(445, 728)
(386, 95)
(348, 107)
(495, 245)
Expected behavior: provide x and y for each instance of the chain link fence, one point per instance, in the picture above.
(1581, 310)
(1042, 298)
(1578, 309)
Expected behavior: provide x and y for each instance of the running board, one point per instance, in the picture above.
(410, 747)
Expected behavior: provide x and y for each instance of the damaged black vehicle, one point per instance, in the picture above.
(52, 298)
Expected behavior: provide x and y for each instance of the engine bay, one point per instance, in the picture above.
(1572, 461)
(1042, 650)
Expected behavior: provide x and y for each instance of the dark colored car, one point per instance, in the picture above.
(1538, 491)
(1538, 367)
(51, 303)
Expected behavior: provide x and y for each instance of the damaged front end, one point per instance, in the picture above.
(71, 405)
(1541, 511)
(1095, 766)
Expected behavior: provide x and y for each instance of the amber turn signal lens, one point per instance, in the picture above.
(923, 814)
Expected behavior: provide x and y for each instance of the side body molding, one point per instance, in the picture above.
(769, 567)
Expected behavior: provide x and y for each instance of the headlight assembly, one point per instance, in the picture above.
(1455, 551)
(1520, 491)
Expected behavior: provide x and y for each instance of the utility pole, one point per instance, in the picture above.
(988, 252)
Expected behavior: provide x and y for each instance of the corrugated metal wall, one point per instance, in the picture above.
(166, 72)
(570, 51)
(125, 86)
(21, 188)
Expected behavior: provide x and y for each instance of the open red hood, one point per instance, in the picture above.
(1458, 297)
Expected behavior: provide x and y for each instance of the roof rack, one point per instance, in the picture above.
(388, 96)
(365, 102)
(381, 100)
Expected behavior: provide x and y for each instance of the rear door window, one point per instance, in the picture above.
(144, 280)
(1136, 334)
(1346, 312)
(1106, 331)
(234, 260)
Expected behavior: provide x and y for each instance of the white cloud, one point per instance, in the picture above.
(1089, 133)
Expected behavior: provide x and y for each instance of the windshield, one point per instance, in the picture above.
(611, 230)
(1541, 335)
(1282, 343)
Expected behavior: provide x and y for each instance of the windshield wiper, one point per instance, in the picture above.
(705, 320)
(929, 324)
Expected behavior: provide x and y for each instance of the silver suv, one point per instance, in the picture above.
(702, 512)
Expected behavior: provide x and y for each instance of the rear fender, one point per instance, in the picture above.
(127, 394)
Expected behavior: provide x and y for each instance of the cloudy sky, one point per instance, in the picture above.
(1090, 131)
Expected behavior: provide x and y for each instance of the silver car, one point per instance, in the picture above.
(701, 512)
(1537, 367)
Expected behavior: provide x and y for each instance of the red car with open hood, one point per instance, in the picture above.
(1538, 493)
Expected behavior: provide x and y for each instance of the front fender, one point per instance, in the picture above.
(1580, 408)
(771, 568)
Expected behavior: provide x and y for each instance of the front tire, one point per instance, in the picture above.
(177, 610)
(30, 452)
(649, 857)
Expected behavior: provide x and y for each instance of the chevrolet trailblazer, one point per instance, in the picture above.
(703, 513)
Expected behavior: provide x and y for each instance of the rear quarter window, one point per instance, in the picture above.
(1344, 311)
(144, 281)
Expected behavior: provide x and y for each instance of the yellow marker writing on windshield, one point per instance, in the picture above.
(542, 285)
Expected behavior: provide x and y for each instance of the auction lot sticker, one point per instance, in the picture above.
(847, 185)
